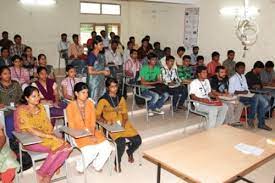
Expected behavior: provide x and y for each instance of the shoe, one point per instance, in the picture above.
(150, 113)
(119, 169)
(265, 127)
(158, 111)
(251, 123)
(130, 157)
(182, 108)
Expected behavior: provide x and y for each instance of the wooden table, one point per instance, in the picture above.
(210, 156)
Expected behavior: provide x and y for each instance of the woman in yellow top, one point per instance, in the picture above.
(112, 108)
(32, 118)
(81, 116)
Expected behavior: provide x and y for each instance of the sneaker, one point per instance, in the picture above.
(158, 111)
(150, 113)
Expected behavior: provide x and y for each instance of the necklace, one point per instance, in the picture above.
(82, 112)
(205, 92)
(18, 76)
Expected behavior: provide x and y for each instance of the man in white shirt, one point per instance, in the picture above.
(113, 59)
(200, 90)
(105, 39)
(238, 85)
(63, 47)
(180, 54)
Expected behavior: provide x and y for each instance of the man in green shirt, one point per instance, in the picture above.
(150, 75)
(185, 71)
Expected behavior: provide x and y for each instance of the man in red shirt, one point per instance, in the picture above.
(90, 41)
(211, 66)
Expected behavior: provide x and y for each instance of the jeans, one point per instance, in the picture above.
(258, 105)
(135, 142)
(156, 101)
(181, 90)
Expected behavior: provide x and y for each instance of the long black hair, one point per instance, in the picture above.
(27, 93)
(78, 87)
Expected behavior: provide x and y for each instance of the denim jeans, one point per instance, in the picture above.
(181, 90)
(156, 100)
(258, 105)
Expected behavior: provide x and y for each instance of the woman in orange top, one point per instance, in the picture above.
(81, 116)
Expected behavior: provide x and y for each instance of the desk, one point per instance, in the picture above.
(75, 133)
(27, 138)
(210, 156)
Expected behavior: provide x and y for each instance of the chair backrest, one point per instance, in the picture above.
(2, 121)
(47, 108)
(67, 137)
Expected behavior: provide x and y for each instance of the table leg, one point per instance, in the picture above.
(159, 173)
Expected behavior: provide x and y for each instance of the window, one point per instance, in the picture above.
(87, 28)
(110, 9)
(92, 8)
(99, 8)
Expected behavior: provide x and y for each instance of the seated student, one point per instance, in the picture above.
(179, 56)
(8, 163)
(150, 75)
(200, 60)
(229, 63)
(114, 59)
(170, 78)
(132, 39)
(112, 108)
(18, 47)
(19, 74)
(96, 70)
(42, 62)
(258, 105)
(5, 57)
(10, 95)
(29, 61)
(158, 51)
(32, 117)
(69, 82)
(211, 66)
(126, 54)
(82, 116)
(219, 84)
(143, 50)
(132, 67)
(268, 74)
(200, 90)
(194, 55)
(167, 52)
(49, 92)
(120, 47)
(90, 41)
(185, 71)
(76, 54)
(5, 42)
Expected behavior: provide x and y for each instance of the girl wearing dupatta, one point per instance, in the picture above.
(32, 118)
(48, 92)
(81, 116)
(112, 108)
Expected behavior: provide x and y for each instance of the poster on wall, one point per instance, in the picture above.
(191, 25)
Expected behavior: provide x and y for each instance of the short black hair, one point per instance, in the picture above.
(4, 48)
(97, 40)
(186, 57)
(132, 37)
(102, 31)
(151, 55)
(194, 47)
(218, 68)
(215, 53)
(166, 48)
(17, 36)
(15, 57)
(114, 42)
(40, 69)
(239, 64)
(69, 67)
(93, 32)
(26, 48)
(4, 32)
(132, 51)
(201, 68)
(156, 43)
(129, 42)
(181, 48)
(75, 36)
(170, 57)
(2, 68)
(200, 57)
(63, 34)
(269, 64)
(258, 64)
(144, 39)
(109, 81)
(41, 55)
(230, 51)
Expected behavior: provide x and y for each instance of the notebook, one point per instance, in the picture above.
(75, 133)
(27, 138)
(112, 128)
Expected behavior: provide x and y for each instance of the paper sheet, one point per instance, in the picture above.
(249, 149)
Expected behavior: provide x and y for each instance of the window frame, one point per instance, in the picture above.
(100, 13)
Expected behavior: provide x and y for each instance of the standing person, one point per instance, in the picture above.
(69, 82)
(5, 42)
(18, 47)
(238, 85)
(120, 47)
(211, 66)
(112, 108)
(18, 73)
(179, 56)
(220, 84)
(90, 41)
(82, 116)
(63, 47)
(5, 59)
(229, 63)
(194, 55)
(105, 39)
(31, 117)
(200, 90)
(96, 70)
